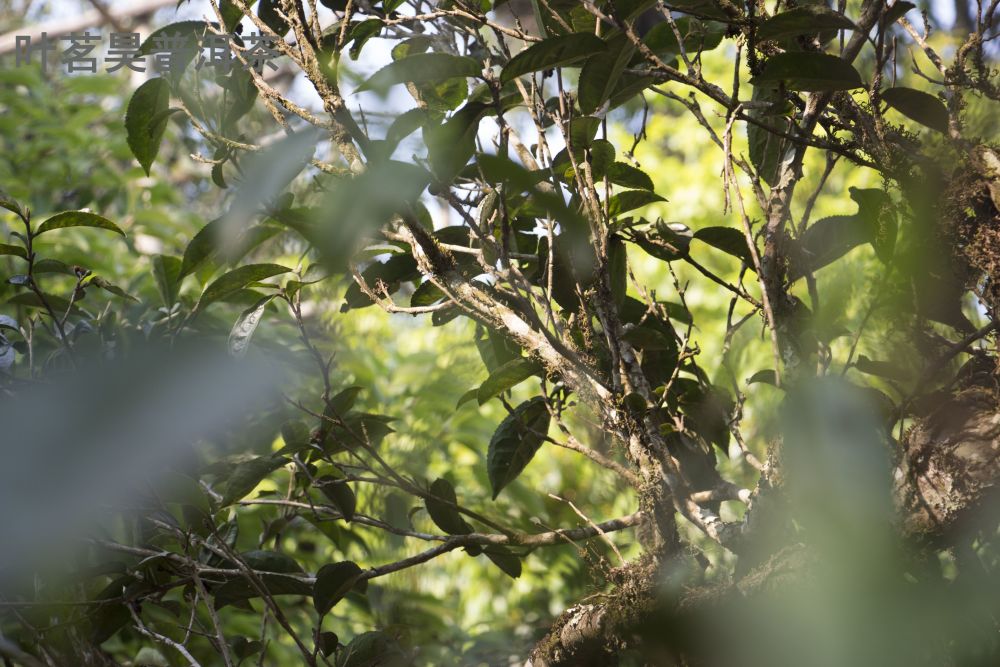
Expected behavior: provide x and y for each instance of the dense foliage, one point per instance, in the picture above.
(570, 332)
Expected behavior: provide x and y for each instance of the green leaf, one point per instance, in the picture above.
(618, 268)
(373, 649)
(271, 561)
(77, 219)
(426, 294)
(112, 288)
(630, 200)
(167, 273)
(31, 300)
(805, 20)
(328, 642)
(246, 476)
(601, 72)
(728, 240)
(333, 582)
(666, 241)
(767, 148)
(624, 174)
(422, 68)
(18, 251)
(506, 376)
(917, 105)
(827, 240)
(200, 247)
(897, 11)
(443, 514)
(340, 494)
(235, 280)
(146, 120)
(765, 376)
(267, 11)
(811, 72)
(246, 325)
(515, 442)
(884, 369)
(552, 52)
(470, 395)
(179, 58)
(11, 205)
(878, 215)
(239, 590)
(505, 560)
(697, 36)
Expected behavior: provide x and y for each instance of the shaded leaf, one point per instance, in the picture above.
(167, 273)
(811, 72)
(728, 240)
(444, 515)
(505, 560)
(333, 582)
(917, 105)
(550, 53)
(246, 476)
(630, 200)
(805, 20)
(18, 251)
(515, 442)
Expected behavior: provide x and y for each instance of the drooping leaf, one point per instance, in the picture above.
(917, 105)
(810, 72)
(617, 268)
(146, 120)
(333, 582)
(897, 11)
(340, 494)
(77, 219)
(505, 560)
(422, 68)
(507, 376)
(235, 280)
(552, 52)
(246, 325)
(515, 442)
(440, 506)
(767, 148)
